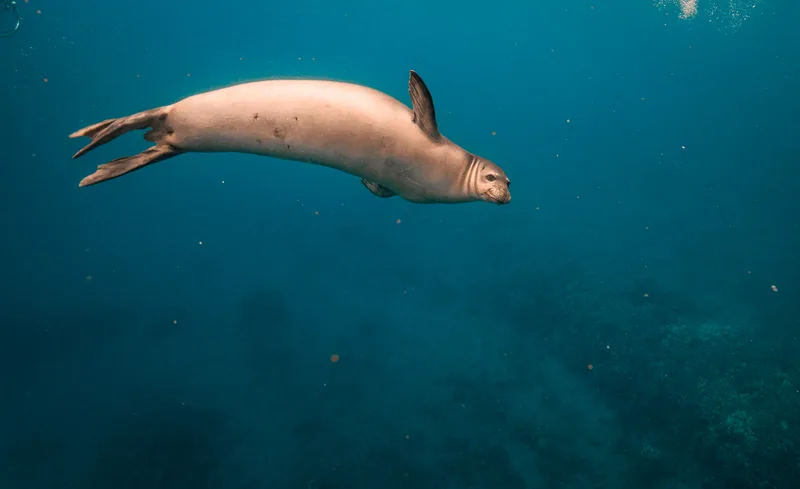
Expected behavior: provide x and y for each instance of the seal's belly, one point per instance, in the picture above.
(348, 127)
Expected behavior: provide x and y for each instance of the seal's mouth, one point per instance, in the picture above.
(502, 199)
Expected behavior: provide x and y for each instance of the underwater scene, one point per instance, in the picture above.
(400, 245)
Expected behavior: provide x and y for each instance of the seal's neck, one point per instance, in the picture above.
(468, 181)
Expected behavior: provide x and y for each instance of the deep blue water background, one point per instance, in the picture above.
(613, 327)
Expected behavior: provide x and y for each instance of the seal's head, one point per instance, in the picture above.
(492, 184)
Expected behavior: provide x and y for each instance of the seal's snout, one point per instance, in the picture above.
(498, 196)
(504, 196)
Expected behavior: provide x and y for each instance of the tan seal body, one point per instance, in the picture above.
(356, 129)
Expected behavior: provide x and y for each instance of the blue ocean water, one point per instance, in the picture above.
(630, 320)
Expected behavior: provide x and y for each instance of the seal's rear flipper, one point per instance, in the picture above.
(121, 166)
(105, 131)
(110, 129)
(90, 131)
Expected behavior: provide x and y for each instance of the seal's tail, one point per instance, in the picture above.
(110, 129)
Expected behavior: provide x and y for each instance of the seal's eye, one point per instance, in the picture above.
(508, 184)
(490, 177)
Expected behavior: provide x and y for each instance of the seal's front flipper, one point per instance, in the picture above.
(424, 115)
(378, 190)
(121, 166)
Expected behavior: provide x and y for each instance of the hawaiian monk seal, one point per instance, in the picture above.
(353, 128)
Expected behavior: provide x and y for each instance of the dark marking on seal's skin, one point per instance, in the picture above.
(386, 143)
(258, 141)
(159, 129)
(255, 116)
(279, 133)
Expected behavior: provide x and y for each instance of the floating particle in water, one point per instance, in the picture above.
(774, 288)
(334, 358)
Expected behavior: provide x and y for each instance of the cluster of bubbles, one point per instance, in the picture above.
(724, 14)
(688, 8)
